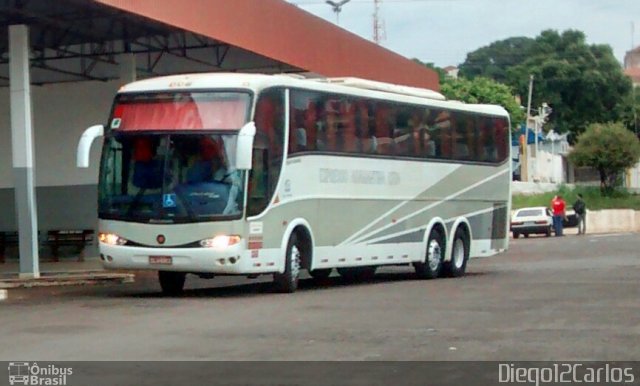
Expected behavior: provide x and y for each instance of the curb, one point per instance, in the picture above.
(67, 280)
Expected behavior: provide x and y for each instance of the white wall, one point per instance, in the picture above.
(613, 220)
(549, 168)
(633, 177)
(61, 112)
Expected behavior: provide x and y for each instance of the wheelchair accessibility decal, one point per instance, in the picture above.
(169, 200)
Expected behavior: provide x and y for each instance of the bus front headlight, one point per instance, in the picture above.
(220, 241)
(111, 239)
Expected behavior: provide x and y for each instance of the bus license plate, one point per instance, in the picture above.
(164, 260)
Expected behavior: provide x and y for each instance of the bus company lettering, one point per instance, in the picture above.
(361, 177)
(333, 176)
(368, 177)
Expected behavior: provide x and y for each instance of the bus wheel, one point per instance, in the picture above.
(172, 283)
(430, 268)
(459, 255)
(287, 281)
(357, 273)
(320, 274)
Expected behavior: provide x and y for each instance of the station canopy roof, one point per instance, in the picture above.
(73, 40)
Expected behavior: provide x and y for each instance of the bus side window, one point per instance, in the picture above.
(258, 198)
(383, 135)
(405, 135)
(427, 146)
(311, 125)
(442, 134)
(295, 122)
(332, 125)
(502, 138)
(268, 146)
(482, 138)
(365, 127)
(461, 136)
(489, 140)
(349, 131)
(471, 137)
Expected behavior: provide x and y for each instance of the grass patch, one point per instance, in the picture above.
(619, 199)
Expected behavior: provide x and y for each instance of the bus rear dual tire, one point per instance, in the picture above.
(434, 265)
(457, 265)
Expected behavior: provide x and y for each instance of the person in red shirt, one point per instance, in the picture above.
(558, 206)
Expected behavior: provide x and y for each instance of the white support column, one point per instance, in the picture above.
(22, 150)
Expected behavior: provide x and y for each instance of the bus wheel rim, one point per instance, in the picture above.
(295, 262)
(434, 255)
(458, 253)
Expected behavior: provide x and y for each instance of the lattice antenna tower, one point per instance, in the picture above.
(379, 31)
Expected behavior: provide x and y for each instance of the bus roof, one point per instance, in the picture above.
(349, 86)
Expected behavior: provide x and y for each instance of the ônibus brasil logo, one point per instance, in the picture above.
(25, 373)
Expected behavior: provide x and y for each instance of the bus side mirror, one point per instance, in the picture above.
(84, 146)
(244, 146)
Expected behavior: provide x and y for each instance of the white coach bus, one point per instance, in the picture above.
(248, 174)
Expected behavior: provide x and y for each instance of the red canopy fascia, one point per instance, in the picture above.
(283, 32)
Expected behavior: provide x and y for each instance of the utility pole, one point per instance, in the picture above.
(635, 112)
(524, 168)
(633, 86)
(337, 7)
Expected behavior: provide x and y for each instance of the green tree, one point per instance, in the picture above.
(493, 60)
(483, 90)
(630, 111)
(609, 148)
(582, 83)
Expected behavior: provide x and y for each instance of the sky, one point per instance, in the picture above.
(444, 31)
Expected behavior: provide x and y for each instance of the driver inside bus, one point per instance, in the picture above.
(208, 167)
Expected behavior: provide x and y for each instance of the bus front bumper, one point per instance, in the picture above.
(234, 260)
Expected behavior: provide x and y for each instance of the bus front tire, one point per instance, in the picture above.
(432, 264)
(459, 255)
(172, 283)
(287, 282)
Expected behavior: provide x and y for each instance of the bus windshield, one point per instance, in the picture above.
(169, 178)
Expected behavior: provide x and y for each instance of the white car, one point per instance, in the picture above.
(536, 220)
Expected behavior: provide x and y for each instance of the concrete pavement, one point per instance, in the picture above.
(568, 298)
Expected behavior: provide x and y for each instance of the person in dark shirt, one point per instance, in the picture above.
(581, 211)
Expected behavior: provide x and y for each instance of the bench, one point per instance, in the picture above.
(7, 239)
(78, 238)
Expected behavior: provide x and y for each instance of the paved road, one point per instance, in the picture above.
(547, 298)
